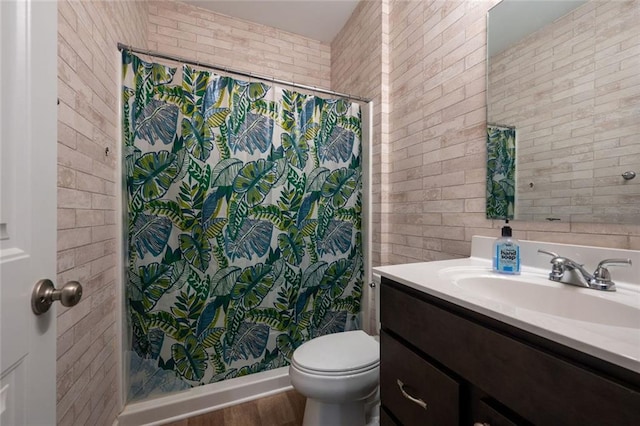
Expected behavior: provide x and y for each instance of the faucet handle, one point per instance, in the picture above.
(550, 253)
(619, 262)
(557, 270)
(603, 274)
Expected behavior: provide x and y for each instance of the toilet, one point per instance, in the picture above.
(338, 374)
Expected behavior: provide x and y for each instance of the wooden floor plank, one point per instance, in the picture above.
(275, 410)
(297, 402)
(214, 418)
(242, 415)
(282, 409)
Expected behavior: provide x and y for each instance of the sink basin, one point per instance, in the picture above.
(538, 294)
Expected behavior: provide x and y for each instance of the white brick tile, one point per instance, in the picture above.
(73, 199)
(87, 119)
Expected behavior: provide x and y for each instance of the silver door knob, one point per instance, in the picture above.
(44, 294)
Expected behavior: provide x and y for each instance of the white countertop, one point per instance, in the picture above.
(616, 344)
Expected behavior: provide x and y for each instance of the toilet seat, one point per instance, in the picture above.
(335, 373)
(339, 354)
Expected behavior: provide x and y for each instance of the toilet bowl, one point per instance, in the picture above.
(339, 374)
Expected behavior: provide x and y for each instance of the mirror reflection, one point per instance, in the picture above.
(564, 92)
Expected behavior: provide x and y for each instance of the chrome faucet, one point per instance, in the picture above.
(568, 271)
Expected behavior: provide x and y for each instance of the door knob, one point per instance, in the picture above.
(44, 294)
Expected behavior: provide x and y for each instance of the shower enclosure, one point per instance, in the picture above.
(244, 208)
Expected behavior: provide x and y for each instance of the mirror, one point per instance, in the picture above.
(563, 111)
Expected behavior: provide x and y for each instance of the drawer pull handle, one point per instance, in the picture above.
(481, 424)
(411, 398)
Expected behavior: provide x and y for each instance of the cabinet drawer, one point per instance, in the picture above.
(400, 366)
(385, 419)
(534, 383)
(485, 414)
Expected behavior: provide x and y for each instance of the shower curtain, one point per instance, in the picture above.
(244, 206)
(501, 172)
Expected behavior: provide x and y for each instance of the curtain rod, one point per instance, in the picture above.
(122, 47)
(501, 125)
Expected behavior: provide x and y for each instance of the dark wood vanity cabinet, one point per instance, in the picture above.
(471, 369)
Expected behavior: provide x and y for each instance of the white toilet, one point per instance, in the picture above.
(339, 375)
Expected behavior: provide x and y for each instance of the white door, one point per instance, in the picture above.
(28, 79)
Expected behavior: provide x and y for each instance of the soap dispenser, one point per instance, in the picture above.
(506, 253)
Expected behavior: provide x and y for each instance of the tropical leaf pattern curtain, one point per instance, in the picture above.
(244, 208)
(501, 172)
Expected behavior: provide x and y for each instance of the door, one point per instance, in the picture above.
(28, 80)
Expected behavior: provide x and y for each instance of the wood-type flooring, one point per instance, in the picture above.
(282, 409)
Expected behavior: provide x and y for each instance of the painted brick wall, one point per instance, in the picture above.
(571, 90)
(88, 73)
(437, 142)
(359, 66)
(436, 121)
(196, 33)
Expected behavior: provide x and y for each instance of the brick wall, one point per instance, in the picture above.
(571, 91)
(195, 33)
(88, 73)
(359, 66)
(437, 120)
(437, 142)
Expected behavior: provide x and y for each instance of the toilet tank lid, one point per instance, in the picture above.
(350, 350)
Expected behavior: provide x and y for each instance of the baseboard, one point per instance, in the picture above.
(204, 399)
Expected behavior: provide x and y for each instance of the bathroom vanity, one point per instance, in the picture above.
(454, 353)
